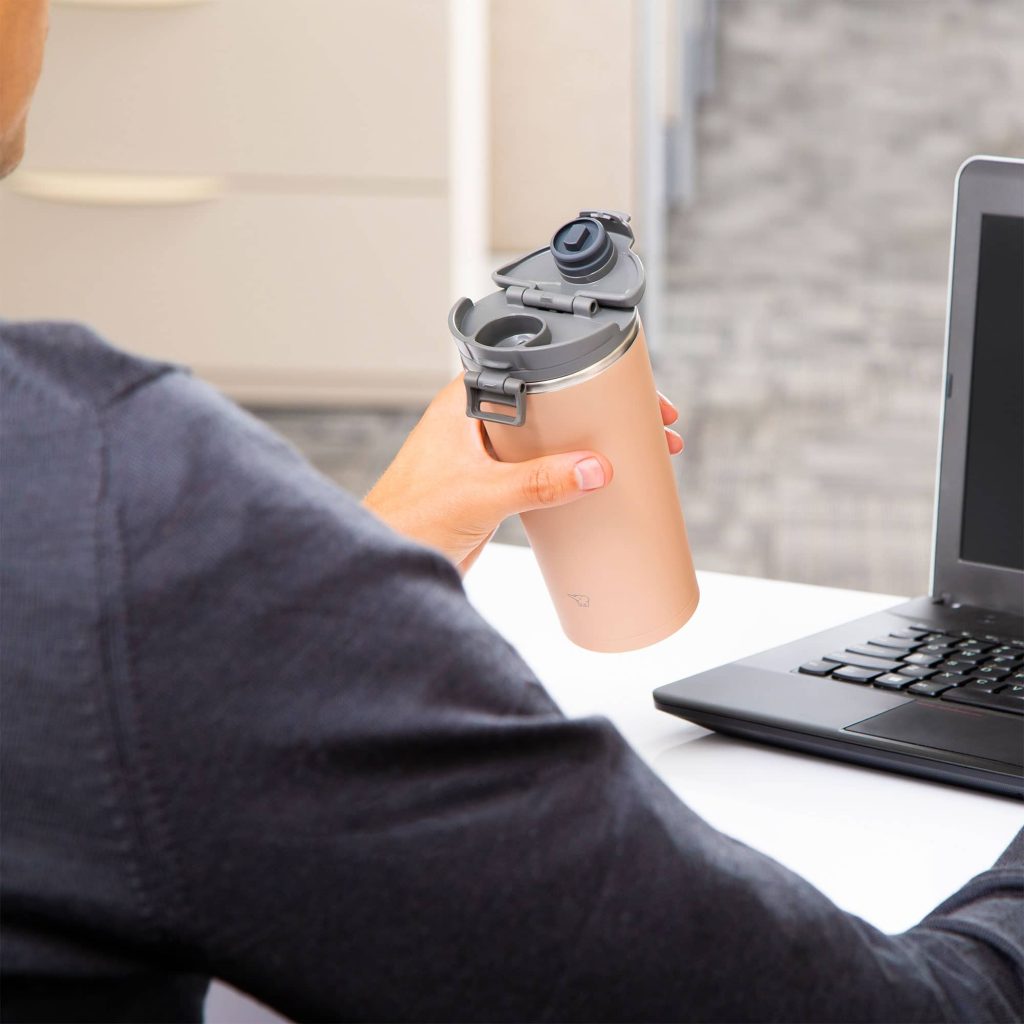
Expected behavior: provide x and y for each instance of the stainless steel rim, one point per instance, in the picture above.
(540, 387)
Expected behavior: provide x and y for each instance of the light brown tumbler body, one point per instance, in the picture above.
(617, 563)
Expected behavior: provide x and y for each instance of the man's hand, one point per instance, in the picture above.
(445, 489)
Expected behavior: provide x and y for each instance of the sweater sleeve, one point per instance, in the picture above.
(359, 803)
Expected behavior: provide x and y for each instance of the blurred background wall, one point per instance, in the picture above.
(288, 197)
(807, 280)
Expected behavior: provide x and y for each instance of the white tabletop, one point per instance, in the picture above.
(884, 846)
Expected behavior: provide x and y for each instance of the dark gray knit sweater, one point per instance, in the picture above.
(250, 733)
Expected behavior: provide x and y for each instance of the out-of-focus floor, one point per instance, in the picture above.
(804, 322)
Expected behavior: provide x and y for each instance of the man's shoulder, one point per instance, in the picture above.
(70, 364)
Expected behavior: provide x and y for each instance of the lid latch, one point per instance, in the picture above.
(495, 388)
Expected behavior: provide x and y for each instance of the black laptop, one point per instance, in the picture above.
(933, 687)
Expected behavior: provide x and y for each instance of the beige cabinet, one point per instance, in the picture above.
(582, 101)
(564, 102)
(257, 188)
(272, 297)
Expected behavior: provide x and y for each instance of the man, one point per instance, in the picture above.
(251, 732)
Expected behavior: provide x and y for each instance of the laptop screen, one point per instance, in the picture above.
(978, 559)
(993, 508)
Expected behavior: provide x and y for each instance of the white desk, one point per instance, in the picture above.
(884, 846)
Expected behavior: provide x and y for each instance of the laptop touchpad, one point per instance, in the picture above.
(994, 737)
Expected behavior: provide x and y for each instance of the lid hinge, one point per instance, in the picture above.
(495, 387)
(537, 298)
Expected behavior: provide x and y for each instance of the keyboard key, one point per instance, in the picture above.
(971, 659)
(991, 672)
(1017, 677)
(973, 645)
(985, 699)
(893, 681)
(950, 678)
(872, 651)
(976, 665)
(974, 683)
(894, 642)
(908, 634)
(917, 671)
(867, 651)
(1013, 691)
(816, 668)
(940, 650)
(940, 638)
(928, 660)
(1006, 659)
(956, 665)
(852, 674)
(861, 661)
(881, 652)
(930, 687)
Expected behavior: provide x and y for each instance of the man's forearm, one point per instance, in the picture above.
(973, 944)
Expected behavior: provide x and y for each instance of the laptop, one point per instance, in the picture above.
(933, 687)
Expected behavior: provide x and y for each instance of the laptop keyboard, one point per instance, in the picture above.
(964, 668)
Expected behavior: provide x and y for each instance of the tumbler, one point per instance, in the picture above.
(556, 360)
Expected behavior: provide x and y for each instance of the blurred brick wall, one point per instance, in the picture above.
(808, 279)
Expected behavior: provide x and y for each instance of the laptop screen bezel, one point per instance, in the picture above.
(990, 185)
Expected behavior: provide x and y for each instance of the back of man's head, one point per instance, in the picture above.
(22, 34)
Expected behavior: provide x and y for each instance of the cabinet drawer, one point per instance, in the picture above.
(351, 89)
(342, 297)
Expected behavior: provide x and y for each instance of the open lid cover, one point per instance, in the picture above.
(559, 310)
(591, 257)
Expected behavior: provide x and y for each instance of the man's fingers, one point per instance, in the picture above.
(553, 480)
(669, 413)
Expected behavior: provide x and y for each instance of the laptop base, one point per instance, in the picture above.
(766, 698)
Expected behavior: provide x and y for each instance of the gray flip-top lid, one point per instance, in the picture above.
(591, 256)
(561, 309)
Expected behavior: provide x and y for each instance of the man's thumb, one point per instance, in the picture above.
(556, 479)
